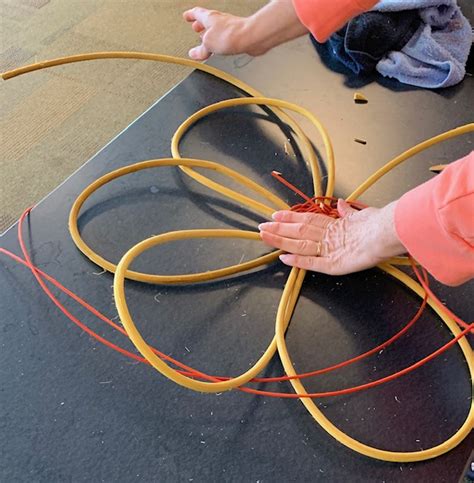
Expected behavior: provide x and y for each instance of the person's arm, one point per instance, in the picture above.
(277, 22)
(222, 33)
(433, 222)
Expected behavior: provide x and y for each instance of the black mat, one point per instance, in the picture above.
(72, 410)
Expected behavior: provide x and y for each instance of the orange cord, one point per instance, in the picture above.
(190, 372)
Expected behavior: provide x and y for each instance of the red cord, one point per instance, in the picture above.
(325, 205)
(188, 371)
(427, 289)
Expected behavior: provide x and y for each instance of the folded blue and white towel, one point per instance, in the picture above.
(437, 53)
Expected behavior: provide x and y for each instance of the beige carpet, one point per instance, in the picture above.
(52, 121)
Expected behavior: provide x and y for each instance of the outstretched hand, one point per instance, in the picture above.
(221, 33)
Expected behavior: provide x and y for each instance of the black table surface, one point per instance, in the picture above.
(73, 410)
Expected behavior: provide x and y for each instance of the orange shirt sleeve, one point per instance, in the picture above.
(324, 17)
(435, 222)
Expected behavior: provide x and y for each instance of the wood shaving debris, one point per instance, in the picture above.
(360, 98)
(100, 273)
(437, 168)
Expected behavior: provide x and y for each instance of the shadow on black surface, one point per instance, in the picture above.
(208, 204)
(237, 125)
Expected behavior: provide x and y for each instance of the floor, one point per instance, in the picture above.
(52, 121)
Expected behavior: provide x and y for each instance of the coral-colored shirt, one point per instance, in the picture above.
(435, 222)
(323, 17)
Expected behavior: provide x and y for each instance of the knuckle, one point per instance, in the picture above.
(275, 240)
(206, 40)
(303, 245)
(275, 226)
(313, 264)
(332, 229)
(296, 261)
(300, 229)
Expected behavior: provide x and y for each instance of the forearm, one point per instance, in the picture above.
(385, 241)
(272, 25)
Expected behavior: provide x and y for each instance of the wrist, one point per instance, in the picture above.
(254, 35)
(388, 244)
(272, 25)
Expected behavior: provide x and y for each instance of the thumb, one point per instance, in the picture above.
(199, 53)
(344, 208)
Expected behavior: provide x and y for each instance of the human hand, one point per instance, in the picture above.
(355, 241)
(221, 33)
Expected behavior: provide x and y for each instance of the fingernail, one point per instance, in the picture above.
(284, 258)
(275, 215)
(192, 53)
(265, 225)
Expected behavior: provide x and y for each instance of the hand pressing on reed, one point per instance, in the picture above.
(355, 241)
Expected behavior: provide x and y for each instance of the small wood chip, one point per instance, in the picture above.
(360, 141)
(437, 168)
(360, 98)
